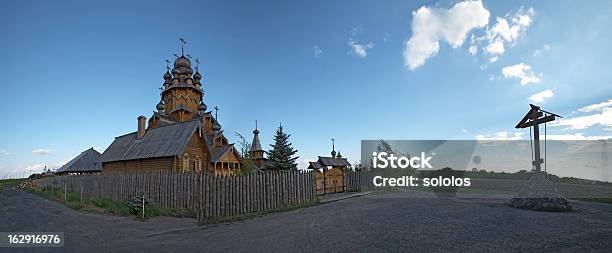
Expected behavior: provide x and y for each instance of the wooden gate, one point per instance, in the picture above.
(332, 181)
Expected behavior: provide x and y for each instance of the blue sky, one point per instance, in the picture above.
(76, 74)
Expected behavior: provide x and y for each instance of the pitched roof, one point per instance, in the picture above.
(314, 165)
(267, 165)
(169, 140)
(218, 152)
(87, 161)
(331, 161)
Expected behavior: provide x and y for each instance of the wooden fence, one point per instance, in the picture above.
(358, 181)
(209, 195)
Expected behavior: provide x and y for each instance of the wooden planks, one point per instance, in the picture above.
(207, 194)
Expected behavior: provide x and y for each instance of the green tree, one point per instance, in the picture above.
(282, 154)
(247, 165)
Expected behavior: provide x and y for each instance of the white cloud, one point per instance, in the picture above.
(596, 107)
(496, 47)
(503, 135)
(430, 25)
(576, 136)
(521, 71)
(538, 52)
(473, 50)
(541, 96)
(603, 118)
(506, 31)
(34, 167)
(601, 114)
(41, 151)
(317, 51)
(360, 49)
(4, 152)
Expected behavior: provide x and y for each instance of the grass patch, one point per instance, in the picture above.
(10, 182)
(105, 205)
(215, 220)
(598, 200)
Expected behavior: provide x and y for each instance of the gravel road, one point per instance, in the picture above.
(392, 222)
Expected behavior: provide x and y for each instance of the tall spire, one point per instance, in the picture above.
(333, 153)
(256, 145)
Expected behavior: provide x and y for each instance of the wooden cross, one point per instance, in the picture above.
(167, 64)
(216, 112)
(197, 60)
(183, 42)
(533, 118)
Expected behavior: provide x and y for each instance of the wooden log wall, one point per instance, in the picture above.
(358, 181)
(209, 195)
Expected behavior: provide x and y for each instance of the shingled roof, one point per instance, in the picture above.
(325, 161)
(218, 152)
(87, 161)
(333, 161)
(163, 141)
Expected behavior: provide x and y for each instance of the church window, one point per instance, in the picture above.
(198, 164)
(185, 162)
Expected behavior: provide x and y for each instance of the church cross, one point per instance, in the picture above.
(167, 64)
(216, 112)
(183, 43)
(534, 118)
(255, 124)
(333, 144)
(197, 60)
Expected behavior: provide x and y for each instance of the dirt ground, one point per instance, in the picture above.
(392, 222)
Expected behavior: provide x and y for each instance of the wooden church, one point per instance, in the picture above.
(181, 135)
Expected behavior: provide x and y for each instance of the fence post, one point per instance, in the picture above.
(143, 206)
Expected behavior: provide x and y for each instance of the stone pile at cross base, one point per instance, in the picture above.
(541, 195)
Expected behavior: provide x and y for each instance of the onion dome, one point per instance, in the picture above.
(216, 127)
(197, 76)
(160, 106)
(333, 153)
(167, 75)
(202, 107)
(255, 131)
(182, 61)
(182, 65)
